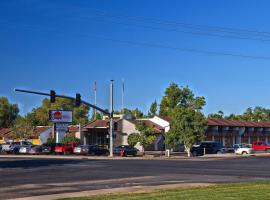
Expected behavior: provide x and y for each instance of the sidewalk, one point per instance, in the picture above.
(146, 157)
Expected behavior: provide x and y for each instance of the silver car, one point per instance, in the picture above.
(25, 149)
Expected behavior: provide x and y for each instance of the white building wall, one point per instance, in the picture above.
(43, 137)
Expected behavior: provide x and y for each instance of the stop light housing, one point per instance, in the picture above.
(52, 95)
(78, 100)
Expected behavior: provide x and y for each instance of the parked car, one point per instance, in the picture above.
(14, 147)
(50, 146)
(90, 150)
(261, 146)
(125, 150)
(67, 148)
(46, 149)
(207, 147)
(34, 150)
(243, 149)
(25, 149)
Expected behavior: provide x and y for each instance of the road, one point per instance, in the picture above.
(24, 177)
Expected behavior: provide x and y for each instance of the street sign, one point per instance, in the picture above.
(61, 116)
(62, 127)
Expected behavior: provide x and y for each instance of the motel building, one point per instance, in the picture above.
(230, 132)
(97, 132)
(227, 132)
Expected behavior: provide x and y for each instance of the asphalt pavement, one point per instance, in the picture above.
(25, 177)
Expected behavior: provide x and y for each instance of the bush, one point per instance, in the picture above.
(70, 139)
(133, 139)
(51, 140)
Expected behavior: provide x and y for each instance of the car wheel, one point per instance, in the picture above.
(219, 152)
(244, 153)
(194, 153)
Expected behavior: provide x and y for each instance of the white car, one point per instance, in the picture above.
(25, 149)
(243, 149)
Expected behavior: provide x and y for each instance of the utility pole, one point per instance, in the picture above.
(111, 119)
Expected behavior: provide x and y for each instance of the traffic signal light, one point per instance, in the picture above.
(78, 100)
(52, 95)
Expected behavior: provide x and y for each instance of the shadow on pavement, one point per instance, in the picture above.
(29, 163)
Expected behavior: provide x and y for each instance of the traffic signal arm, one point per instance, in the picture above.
(65, 97)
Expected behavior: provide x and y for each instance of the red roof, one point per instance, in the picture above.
(98, 123)
(239, 123)
(73, 128)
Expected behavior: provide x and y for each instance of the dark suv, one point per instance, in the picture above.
(207, 147)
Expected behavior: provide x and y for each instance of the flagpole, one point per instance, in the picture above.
(123, 91)
(95, 94)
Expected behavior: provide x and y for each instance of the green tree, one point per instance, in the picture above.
(188, 122)
(218, 115)
(40, 116)
(137, 113)
(170, 100)
(146, 134)
(23, 129)
(8, 113)
(153, 109)
(133, 139)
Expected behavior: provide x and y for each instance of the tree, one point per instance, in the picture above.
(170, 100)
(8, 113)
(153, 109)
(146, 134)
(188, 122)
(137, 113)
(133, 139)
(40, 117)
(23, 129)
(218, 115)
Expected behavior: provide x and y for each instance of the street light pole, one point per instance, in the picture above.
(111, 119)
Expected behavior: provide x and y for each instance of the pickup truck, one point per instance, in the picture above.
(260, 146)
(67, 148)
(14, 147)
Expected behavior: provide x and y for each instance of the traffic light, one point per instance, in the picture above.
(78, 100)
(52, 95)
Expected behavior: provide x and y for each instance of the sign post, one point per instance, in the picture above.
(61, 119)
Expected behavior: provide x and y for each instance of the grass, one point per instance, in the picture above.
(238, 191)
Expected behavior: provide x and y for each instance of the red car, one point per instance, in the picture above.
(260, 146)
(67, 148)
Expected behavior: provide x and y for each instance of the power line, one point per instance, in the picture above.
(160, 46)
(194, 33)
(153, 45)
(169, 22)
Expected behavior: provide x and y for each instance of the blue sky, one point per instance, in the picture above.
(67, 45)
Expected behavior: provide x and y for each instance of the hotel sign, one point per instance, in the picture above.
(60, 116)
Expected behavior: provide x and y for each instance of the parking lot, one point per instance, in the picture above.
(23, 177)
